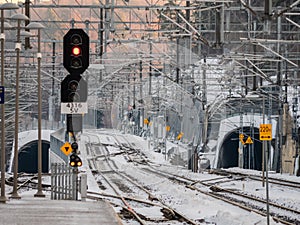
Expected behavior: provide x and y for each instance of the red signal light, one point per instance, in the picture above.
(76, 51)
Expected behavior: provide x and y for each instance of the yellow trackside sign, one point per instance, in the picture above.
(241, 136)
(146, 121)
(249, 140)
(265, 132)
(168, 128)
(66, 148)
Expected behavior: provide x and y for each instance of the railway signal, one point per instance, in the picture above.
(73, 100)
(76, 51)
(75, 160)
(74, 147)
(73, 89)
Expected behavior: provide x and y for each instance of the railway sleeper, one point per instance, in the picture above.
(216, 189)
(127, 214)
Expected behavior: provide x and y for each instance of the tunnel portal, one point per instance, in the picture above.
(252, 156)
(28, 157)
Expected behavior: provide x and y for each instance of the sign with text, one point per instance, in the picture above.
(265, 132)
(74, 108)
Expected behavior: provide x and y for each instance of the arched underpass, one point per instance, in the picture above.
(28, 157)
(252, 159)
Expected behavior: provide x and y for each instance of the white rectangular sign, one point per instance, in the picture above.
(73, 107)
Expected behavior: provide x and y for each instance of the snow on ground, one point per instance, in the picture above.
(194, 205)
(200, 206)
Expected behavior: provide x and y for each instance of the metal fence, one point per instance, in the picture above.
(63, 182)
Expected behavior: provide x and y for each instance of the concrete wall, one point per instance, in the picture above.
(57, 140)
(289, 149)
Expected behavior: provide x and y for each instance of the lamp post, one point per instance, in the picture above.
(19, 18)
(5, 6)
(38, 27)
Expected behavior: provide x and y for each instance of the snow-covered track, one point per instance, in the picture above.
(129, 167)
(115, 179)
(242, 200)
(26, 181)
(271, 180)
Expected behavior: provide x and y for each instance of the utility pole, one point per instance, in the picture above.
(177, 55)
(141, 110)
(268, 14)
(280, 107)
(219, 26)
(101, 32)
(27, 13)
(51, 97)
(241, 136)
(150, 69)
(106, 24)
(5, 6)
(204, 85)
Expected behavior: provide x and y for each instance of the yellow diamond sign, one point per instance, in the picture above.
(66, 148)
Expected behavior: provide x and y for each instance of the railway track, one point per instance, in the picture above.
(132, 206)
(242, 200)
(27, 181)
(211, 187)
(271, 180)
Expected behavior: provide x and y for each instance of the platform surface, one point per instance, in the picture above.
(44, 211)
